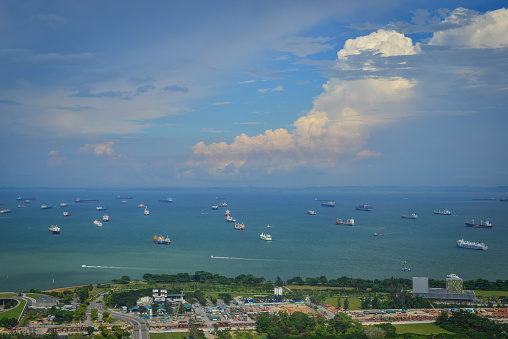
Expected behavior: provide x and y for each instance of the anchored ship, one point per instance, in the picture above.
(54, 229)
(412, 216)
(78, 200)
(97, 223)
(443, 212)
(105, 218)
(482, 224)
(328, 204)
(230, 219)
(46, 207)
(161, 240)
(5, 210)
(166, 200)
(66, 214)
(100, 208)
(366, 207)
(349, 222)
(311, 212)
(239, 226)
(265, 236)
(472, 245)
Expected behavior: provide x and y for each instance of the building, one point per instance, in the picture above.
(454, 290)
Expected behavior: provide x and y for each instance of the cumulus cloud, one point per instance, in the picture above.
(383, 42)
(489, 30)
(337, 124)
(99, 149)
(367, 154)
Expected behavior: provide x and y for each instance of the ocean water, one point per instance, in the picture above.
(303, 245)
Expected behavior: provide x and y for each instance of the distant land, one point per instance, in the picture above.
(491, 189)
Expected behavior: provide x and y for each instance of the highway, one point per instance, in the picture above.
(138, 324)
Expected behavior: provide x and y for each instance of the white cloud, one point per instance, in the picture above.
(55, 159)
(338, 124)
(383, 42)
(99, 149)
(221, 103)
(489, 30)
(367, 154)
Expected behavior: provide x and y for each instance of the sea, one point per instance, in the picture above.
(303, 245)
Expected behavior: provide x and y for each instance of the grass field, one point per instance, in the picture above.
(489, 294)
(7, 295)
(14, 313)
(354, 303)
(427, 328)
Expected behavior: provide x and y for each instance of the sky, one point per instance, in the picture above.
(289, 93)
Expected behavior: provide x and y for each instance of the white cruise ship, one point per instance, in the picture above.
(471, 245)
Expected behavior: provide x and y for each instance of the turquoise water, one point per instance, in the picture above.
(303, 245)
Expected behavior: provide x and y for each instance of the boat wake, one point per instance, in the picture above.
(235, 258)
(117, 267)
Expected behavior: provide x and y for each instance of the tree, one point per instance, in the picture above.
(195, 332)
(339, 303)
(278, 282)
(90, 330)
(346, 304)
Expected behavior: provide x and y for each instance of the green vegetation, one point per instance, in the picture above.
(7, 295)
(14, 313)
(471, 325)
(426, 328)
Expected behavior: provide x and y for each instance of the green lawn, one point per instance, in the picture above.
(7, 295)
(14, 313)
(427, 328)
(489, 294)
(354, 303)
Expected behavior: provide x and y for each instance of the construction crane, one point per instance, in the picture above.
(429, 301)
(497, 300)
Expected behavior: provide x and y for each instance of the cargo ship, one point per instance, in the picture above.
(66, 214)
(24, 199)
(230, 219)
(472, 245)
(123, 198)
(161, 240)
(443, 212)
(54, 229)
(240, 226)
(97, 223)
(265, 236)
(5, 210)
(100, 208)
(105, 218)
(328, 204)
(64, 204)
(78, 200)
(482, 224)
(412, 216)
(166, 200)
(349, 222)
(311, 212)
(46, 207)
(366, 207)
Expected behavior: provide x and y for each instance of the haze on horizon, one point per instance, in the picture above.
(253, 93)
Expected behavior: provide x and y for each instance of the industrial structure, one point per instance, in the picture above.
(454, 290)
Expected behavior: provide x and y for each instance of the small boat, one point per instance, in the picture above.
(215, 207)
(268, 226)
(311, 212)
(54, 229)
(66, 214)
(349, 222)
(46, 207)
(23, 206)
(100, 208)
(227, 212)
(141, 206)
(503, 199)
(265, 236)
(5, 210)
(230, 219)
(365, 207)
(405, 269)
(472, 245)
(124, 202)
(97, 223)
(223, 204)
(146, 211)
(452, 276)
(381, 232)
(412, 216)
(482, 224)
(64, 204)
(123, 198)
(328, 204)
(240, 226)
(166, 200)
(443, 212)
(105, 218)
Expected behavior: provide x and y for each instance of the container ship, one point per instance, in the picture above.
(366, 207)
(482, 224)
(472, 245)
(328, 204)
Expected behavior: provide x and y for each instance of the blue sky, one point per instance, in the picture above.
(253, 93)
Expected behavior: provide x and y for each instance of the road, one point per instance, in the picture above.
(139, 325)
